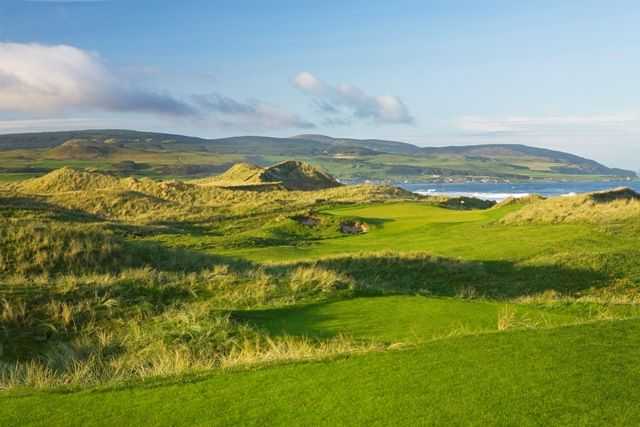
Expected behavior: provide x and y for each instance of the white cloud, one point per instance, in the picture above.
(37, 78)
(307, 81)
(550, 124)
(53, 80)
(41, 125)
(346, 99)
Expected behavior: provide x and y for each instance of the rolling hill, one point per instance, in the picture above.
(289, 175)
(160, 154)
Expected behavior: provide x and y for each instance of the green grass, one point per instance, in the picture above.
(398, 319)
(408, 226)
(12, 177)
(584, 375)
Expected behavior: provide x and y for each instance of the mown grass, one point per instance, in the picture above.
(568, 376)
(403, 320)
(470, 235)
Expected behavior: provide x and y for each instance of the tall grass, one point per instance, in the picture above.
(74, 329)
(32, 248)
(145, 200)
(593, 208)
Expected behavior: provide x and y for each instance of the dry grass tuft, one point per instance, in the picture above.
(269, 350)
(596, 208)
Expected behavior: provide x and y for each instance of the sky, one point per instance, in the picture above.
(554, 74)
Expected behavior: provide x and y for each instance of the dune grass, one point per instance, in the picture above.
(606, 207)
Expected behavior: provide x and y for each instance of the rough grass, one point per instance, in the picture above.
(290, 175)
(526, 200)
(603, 207)
(147, 200)
(99, 328)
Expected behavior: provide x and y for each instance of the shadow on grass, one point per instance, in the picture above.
(300, 235)
(423, 274)
(417, 274)
(15, 206)
(299, 320)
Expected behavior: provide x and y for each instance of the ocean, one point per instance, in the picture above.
(500, 191)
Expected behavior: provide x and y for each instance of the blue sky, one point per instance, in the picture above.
(562, 75)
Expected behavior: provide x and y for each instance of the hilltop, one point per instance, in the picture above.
(163, 154)
(239, 173)
(289, 175)
(67, 179)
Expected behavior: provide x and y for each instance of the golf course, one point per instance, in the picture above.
(131, 300)
(336, 213)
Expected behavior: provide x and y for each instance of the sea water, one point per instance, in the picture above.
(500, 191)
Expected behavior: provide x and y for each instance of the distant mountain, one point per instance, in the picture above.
(149, 140)
(377, 145)
(343, 157)
(574, 164)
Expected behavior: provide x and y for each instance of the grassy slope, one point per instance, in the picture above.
(396, 319)
(469, 235)
(567, 376)
(517, 260)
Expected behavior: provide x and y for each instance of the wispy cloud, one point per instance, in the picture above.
(254, 113)
(350, 101)
(37, 125)
(523, 125)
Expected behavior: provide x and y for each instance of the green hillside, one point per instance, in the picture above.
(165, 155)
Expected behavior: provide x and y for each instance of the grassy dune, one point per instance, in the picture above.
(179, 303)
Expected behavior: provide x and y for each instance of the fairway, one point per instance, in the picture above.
(410, 226)
(566, 376)
(399, 319)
